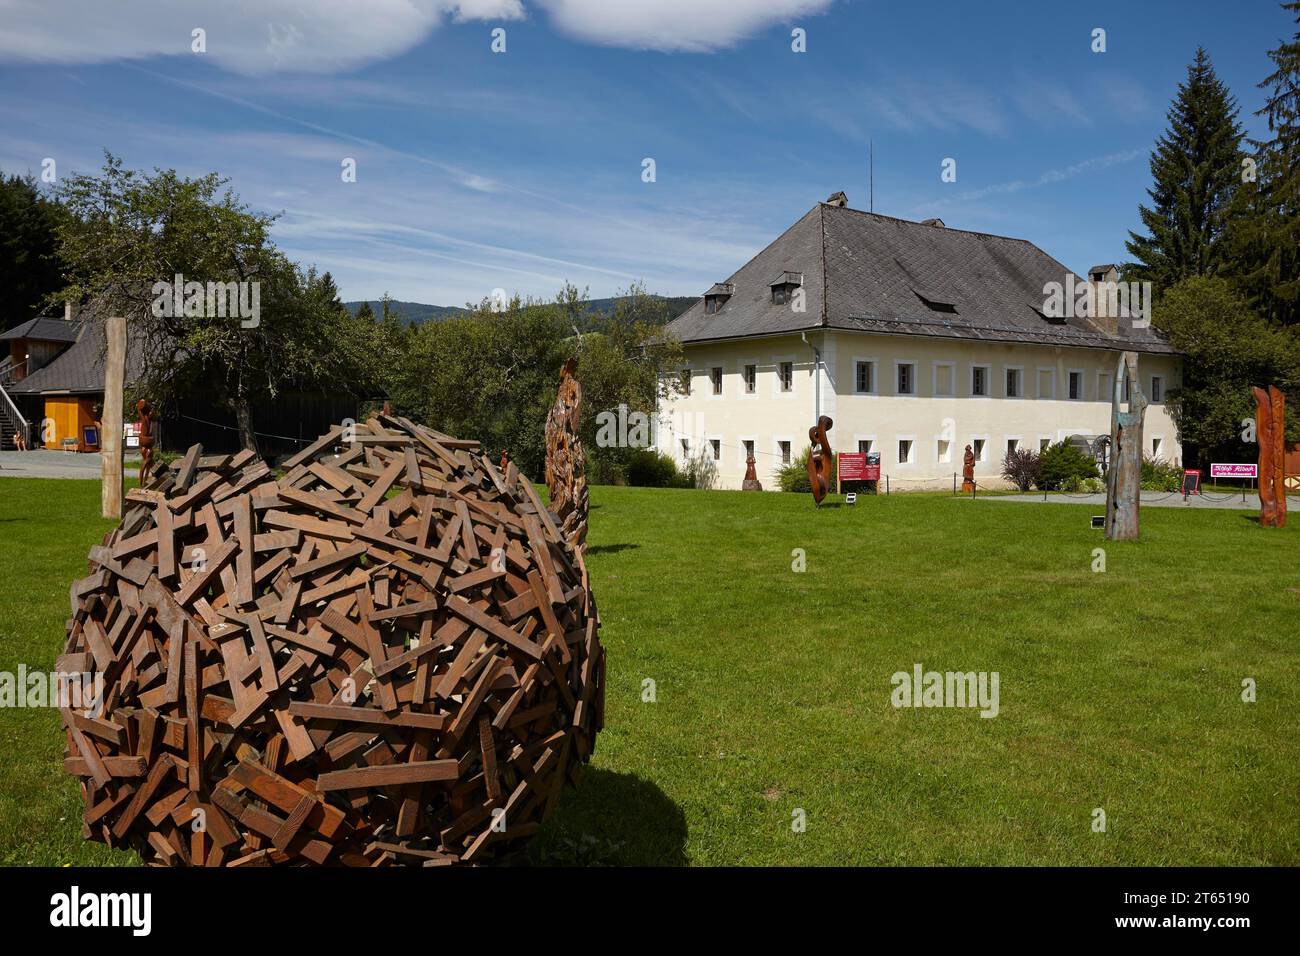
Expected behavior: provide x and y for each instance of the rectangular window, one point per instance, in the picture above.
(979, 380)
(1076, 386)
(787, 376)
(749, 448)
(686, 448)
(864, 445)
(1013, 444)
(1044, 444)
(1155, 447)
(1157, 388)
(978, 448)
(716, 444)
(686, 381)
(904, 452)
(865, 377)
(1013, 383)
(785, 451)
(944, 450)
(751, 379)
(906, 376)
(716, 374)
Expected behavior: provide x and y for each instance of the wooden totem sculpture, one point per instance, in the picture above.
(1124, 477)
(146, 440)
(750, 482)
(566, 462)
(820, 459)
(968, 470)
(1270, 428)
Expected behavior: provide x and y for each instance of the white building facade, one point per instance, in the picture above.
(916, 340)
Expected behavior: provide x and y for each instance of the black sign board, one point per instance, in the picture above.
(1191, 482)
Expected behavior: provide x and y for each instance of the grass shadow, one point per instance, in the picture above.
(610, 548)
(612, 819)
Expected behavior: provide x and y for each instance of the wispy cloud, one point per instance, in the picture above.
(1047, 178)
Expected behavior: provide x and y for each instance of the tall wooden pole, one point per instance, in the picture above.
(111, 439)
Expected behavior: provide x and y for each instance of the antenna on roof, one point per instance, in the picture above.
(871, 197)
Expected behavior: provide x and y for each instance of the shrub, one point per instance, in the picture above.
(794, 476)
(1160, 475)
(1021, 467)
(1093, 486)
(647, 468)
(1064, 468)
(604, 470)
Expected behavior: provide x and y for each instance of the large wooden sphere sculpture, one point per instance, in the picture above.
(386, 656)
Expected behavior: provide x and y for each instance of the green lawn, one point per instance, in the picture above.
(1119, 690)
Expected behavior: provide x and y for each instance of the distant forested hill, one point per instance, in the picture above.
(415, 312)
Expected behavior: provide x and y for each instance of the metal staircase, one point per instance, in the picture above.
(11, 422)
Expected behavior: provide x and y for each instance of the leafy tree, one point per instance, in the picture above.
(127, 231)
(1267, 239)
(1228, 348)
(1062, 467)
(1022, 468)
(30, 270)
(1195, 168)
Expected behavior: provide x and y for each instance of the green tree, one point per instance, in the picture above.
(30, 270)
(1195, 168)
(1228, 348)
(125, 232)
(1267, 238)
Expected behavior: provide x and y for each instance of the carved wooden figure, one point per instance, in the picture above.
(968, 470)
(1270, 428)
(1124, 476)
(146, 440)
(820, 459)
(751, 482)
(566, 461)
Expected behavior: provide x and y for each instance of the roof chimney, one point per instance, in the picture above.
(937, 223)
(1103, 292)
(837, 199)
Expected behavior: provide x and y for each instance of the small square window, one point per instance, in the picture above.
(1013, 444)
(716, 374)
(1076, 386)
(979, 380)
(716, 445)
(1157, 388)
(904, 451)
(785, 451)
(978, 448)
(751, 379)
(906, 379)
(864, 445)
(749, 448)
(787, 376)
(865, 377)
(1013, 383)
(1044, 444)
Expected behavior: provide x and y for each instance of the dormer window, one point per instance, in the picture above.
(935, 302)
(717, 297)
(784, 286)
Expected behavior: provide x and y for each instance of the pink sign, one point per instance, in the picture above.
(1234, 471)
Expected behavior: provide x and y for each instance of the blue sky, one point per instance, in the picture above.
(521, 170)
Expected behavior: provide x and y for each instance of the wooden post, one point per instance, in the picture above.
(111, 439)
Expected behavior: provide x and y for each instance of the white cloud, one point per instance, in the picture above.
(247, 36)
(691, 26)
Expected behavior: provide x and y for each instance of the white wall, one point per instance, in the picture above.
(770, 415)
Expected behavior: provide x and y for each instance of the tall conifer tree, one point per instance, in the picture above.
(1196, 168)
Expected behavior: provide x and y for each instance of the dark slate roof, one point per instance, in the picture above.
(873, 273)
(43, 329)
(80, 369)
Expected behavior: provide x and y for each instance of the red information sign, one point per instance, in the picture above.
(859, 466)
